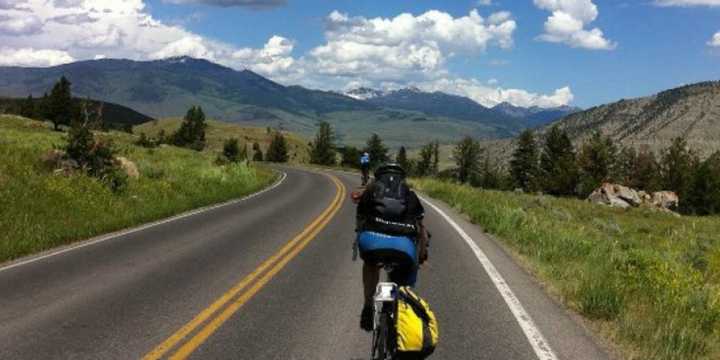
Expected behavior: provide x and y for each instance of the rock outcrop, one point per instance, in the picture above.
(616, 195)
(128, 167)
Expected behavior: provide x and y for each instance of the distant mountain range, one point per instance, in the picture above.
(535, 116)
(165, 88)
(504, 115)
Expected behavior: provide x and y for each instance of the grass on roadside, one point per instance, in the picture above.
(40, 210)
(649, 281)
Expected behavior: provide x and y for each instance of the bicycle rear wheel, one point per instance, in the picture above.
(382, 347)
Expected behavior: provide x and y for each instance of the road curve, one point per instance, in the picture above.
(270, 277)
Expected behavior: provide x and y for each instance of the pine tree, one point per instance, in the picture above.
(678, 165)
(558, 167)
(626, 163)
(597, 162)
(377, 151)
(278, 149)
(638, 170)
(27, 108)
(322, 150)
(60, 110)
(424, 165)
(403, 160)
(489, 176)
(703, 194)
(524, 163)
(43, 108)
(467, 156)
(257, 152)
(192, 130)
(646, 172)
(350, 157)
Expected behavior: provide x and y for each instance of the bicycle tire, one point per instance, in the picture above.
(382, 337)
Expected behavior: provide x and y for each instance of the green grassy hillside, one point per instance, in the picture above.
(217, 132)
(40, 210)
(648, 281)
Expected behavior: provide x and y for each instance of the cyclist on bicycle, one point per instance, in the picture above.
(390, 232)
(365, 167)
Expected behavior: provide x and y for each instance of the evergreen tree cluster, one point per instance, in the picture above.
(58, 107)
(322, 150)
(278, 149)
(191, 133)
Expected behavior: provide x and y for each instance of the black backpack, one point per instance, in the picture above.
(389, 207)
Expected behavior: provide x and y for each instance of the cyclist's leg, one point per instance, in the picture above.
(371, 277)
(406, 274)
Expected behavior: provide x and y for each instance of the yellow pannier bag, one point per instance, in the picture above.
(416, 326)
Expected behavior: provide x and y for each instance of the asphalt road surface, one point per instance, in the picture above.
(269, 277)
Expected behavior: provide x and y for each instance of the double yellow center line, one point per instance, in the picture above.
(212, 318)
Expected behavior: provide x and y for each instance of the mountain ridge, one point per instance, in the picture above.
(649, 122)
(168, 87)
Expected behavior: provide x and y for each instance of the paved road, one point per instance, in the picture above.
(269, 277)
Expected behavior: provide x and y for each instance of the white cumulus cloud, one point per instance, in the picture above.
(274, 58)
(20, 25)
(715, 41)
(256, 4)
(394, 48)
(568, 23)
(490, 95)
(33, 57)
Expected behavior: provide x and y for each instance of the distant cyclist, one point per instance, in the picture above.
(365, 167)
(390, 231)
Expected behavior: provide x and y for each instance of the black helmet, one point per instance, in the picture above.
(389, 168)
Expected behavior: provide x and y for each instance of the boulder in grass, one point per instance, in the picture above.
(128, 167)
(615, 195)
(665, 200)
(628, 195)
(624, 197)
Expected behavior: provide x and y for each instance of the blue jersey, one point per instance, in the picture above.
(365, 159)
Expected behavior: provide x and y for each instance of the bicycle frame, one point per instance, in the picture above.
(385, 306)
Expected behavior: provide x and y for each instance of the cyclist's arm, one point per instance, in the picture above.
(417, 209)
(422, 242)
(363, 209)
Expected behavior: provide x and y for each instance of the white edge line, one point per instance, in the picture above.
(145, 226)
(537, 340)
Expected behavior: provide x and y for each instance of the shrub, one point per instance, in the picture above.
(96, 157)
(231, 150)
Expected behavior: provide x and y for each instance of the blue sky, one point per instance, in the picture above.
(531, 52)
